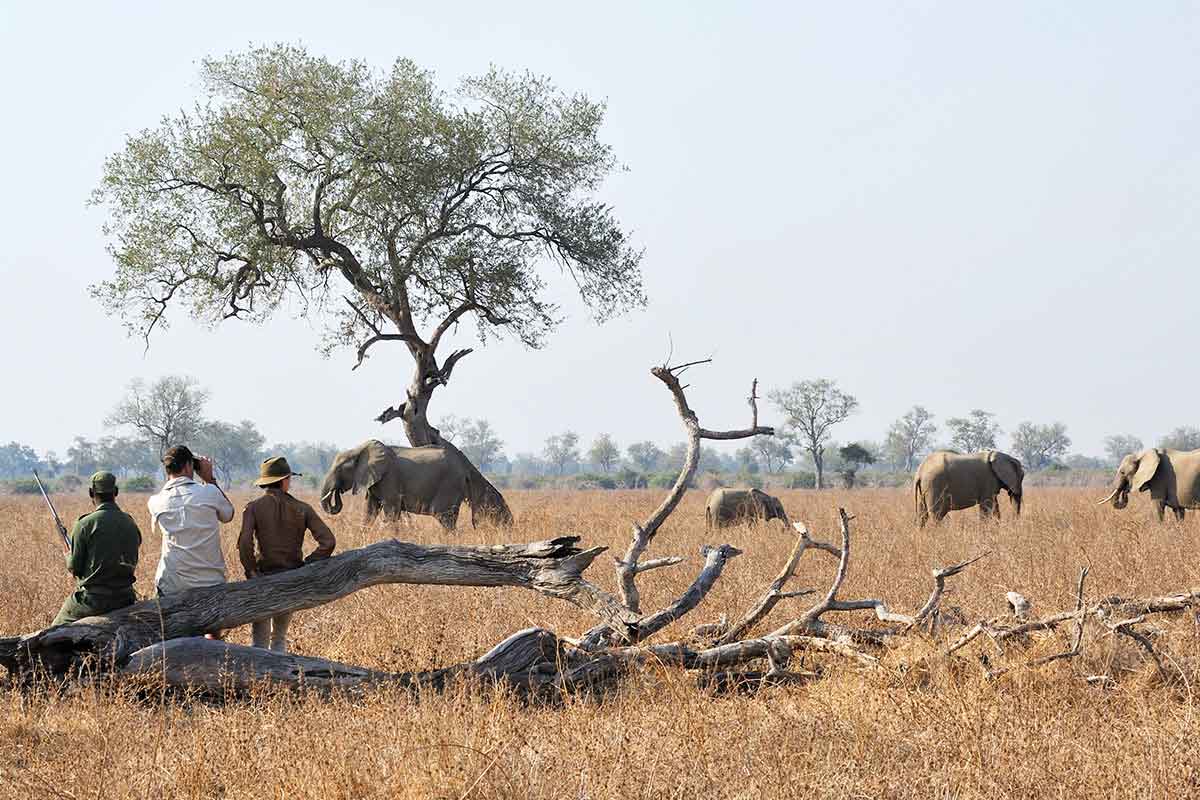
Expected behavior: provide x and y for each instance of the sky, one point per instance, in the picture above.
(962, 205)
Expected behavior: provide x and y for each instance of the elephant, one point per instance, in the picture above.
(949, 481)
(429, 480)
(1171, 476)
(733, 506)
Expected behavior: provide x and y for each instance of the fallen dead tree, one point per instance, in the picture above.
(161, 641)
(1114, 615)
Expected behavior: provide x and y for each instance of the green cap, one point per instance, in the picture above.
(104, 482)
(273, 470)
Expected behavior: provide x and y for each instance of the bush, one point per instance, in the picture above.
(662, 480)
(630, 479)
(530, 483)
(22, 486)
(70, 482)
(592, 481)
(139, 483)
(802, 480)
(751, 480)
(500, 481)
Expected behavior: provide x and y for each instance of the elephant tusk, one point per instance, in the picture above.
(1110, 497)
(327, 495)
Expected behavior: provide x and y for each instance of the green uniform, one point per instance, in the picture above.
(104, 554)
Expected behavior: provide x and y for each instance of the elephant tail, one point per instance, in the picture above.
(708, 519)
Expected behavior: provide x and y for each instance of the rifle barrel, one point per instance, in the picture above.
(58, 523)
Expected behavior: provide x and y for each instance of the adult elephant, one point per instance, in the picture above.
(948, 481)
(734, 506)
(427, 480)
(1172, 477)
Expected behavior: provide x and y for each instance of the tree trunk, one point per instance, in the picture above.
(552, 567)
(487, 503)
(819, 464)
(526, 660)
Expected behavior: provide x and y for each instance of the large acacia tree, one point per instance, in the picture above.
(393, 208)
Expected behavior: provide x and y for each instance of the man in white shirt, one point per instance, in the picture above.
(188, 515)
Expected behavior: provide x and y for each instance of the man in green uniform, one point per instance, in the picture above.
(103, 556)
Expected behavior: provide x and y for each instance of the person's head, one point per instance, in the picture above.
(179, 462)
(103, 488)
(275, 473)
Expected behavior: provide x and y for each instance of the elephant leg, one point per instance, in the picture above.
(1160, 506)
(922, 512)
(1179, 511)
(988, 508)
(448, 519)
(373, 507)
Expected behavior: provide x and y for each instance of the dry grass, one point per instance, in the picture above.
(942, 732)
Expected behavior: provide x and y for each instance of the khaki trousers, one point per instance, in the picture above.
(271, 632)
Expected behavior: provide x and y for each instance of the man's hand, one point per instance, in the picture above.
(204, 468)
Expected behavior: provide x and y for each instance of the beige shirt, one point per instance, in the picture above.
(188, 514)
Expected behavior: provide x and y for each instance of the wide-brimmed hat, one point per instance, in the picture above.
(273, 470)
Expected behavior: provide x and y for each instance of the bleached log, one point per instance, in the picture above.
(552, 567)
(526, 659)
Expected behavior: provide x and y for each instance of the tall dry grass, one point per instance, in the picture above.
(939, 732)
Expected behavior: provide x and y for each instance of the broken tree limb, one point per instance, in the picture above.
(999, 630)
(774, 592)
(939, 588)
(644, 533)
(552, 567)
(524, 660)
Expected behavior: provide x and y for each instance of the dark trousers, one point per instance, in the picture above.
(82, 604)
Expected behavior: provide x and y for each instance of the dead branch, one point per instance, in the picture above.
(552, 567)
(774, 592)
(644, 533)
(999, 630)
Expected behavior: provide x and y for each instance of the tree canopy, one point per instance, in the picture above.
(1038, 446)
(812, 409)
(909, 436)
(975, 432)
(375, 198)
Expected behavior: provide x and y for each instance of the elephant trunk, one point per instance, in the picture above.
(1119, 496)
(331, 502)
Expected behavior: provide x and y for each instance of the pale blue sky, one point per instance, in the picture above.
(955, 204)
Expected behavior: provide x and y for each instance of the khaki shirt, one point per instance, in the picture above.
(189, 514)
(277, 521)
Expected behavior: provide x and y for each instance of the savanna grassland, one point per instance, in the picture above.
(944, 730)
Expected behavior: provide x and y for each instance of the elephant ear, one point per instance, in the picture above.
(372, 465)
(1148, 465)
(1007, 469)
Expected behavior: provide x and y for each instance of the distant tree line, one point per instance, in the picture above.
(153, 416)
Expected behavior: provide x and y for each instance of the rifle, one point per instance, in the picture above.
(58, 523)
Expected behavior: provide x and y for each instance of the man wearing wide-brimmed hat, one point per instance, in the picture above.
(103, 555)
(277, 521)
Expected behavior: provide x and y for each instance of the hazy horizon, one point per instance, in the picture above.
(956, 205)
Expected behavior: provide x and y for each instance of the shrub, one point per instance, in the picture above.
(70, 482)
(751, 480)
(802, 480)
(22, 486)
(139, 483)
(630, 479)
(662, 480)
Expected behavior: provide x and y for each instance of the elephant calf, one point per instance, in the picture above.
(948, 481)
(735, 506)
